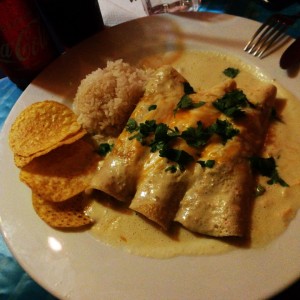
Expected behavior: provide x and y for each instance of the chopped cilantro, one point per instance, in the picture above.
(152, 107)
(139, 137)
(260, 190)
(161, 132)
(275, 178)
(148, 127)
(174, 132)
(104, 148)
(171, 169)
(131, 125)
(143, 130)
(196, 137)
(179, 156)
(157, 145)
(199, 136)
(162, 136)
(231, 103)
(188, 89)
(231, 72)
(224, 129)
(159, 137)
(267, 167)
(186, 102)
(206, 163)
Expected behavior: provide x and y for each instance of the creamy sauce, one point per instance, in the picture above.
(271, 213)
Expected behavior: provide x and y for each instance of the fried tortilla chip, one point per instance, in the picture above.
(21, 161)
(66, 214)
(62, 173)
(42, 125)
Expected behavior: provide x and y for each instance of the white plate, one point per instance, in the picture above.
(75, 265)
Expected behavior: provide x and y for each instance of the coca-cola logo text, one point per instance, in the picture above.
(30, 42)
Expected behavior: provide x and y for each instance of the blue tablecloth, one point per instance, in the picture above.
(14, 282)
(10, 270)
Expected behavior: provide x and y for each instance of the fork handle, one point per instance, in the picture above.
(291, 56)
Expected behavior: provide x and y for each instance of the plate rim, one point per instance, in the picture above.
(66, 292)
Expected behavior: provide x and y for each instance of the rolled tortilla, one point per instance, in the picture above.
(159, 192)
(211, 201)
(122, 168)
(217, 203)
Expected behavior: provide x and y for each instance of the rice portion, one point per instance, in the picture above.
(106, 97)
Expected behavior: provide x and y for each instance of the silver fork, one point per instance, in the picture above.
(269, 33)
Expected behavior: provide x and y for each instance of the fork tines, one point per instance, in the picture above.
(267, 35)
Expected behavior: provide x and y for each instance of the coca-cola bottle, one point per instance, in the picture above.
(25, 44)
(71, 21)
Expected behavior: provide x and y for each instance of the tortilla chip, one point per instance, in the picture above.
(63, 172)
(66, 214)
(22, 161)
(42, 126)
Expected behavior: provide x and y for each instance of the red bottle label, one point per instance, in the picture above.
(23, 38)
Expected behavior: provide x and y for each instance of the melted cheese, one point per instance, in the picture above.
(271, 212)
(131, 170)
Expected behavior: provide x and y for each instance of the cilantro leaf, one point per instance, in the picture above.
(171, 169)
(259, 190)
(179, 156)
(139, 137)
(147, 128)
(231, 72)
(224, 129)
(231, 103)
(131, 125)
(104, 148)
(186, 102)
(267, 167)
(206, 163)
(196, 137)
(162, 136)
(188, 89)
(152, 107)
(159, 137)
(143, 130)
(161, 132)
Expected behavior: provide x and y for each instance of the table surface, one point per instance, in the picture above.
(15, 283)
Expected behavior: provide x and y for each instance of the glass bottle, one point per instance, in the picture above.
(26, 46)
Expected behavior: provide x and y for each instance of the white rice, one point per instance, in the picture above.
(106, 97)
